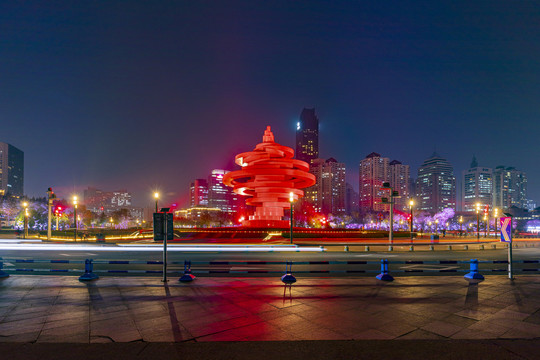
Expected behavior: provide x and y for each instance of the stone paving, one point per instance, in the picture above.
(60, 309)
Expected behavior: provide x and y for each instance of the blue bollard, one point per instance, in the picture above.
(288, 278)
(88, 271)
(188, 276)
(474, 274)
(3, 274)
(384, 275)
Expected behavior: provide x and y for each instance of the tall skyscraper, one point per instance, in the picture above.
(509, 188)
(307, 136)
(476, 187)
(399, 181)
(351, 200)
(221, 196)
(374, 172)
(11, 171)
(198, 193)
(328, 194)
(436, 185)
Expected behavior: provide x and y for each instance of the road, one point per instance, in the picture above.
(225, 263)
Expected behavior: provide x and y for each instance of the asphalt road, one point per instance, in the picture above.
(332, 263)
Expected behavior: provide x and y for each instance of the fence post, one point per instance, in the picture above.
(188, 276)
(385, 274)
(288, 278)
(474, 274)
(3, 274)
(88, 271)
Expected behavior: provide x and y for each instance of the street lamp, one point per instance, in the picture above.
(111, 220)
(496, 212)
(75, 215)
(25, 229)
(291, 200)
(436, 226)
(156, 196)
(461, 226)
(478, 222)
(411, 204)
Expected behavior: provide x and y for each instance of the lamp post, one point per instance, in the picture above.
(461, 226)
(291, 200)
(156, 196)
(495, 220)
(436, 226)
(430, 228)
(75, 215)
(478, 222)
(111, 220)
(25, 229)
(411, 204)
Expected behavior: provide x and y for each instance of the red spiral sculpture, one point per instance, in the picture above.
(269, 174)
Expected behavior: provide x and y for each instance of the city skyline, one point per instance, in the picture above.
(189, 85)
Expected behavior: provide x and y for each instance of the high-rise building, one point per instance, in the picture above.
(399, 181)
(98, 201)
(11, 171)
(509, 188)
(351, 200)
(221, 196)
(435, 185)
(476, 187)
(199, 193)
(328, 194)
(374, 171)
(307, 136)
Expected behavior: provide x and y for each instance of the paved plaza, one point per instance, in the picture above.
(53, 310)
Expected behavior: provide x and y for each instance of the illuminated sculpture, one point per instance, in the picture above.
(269, 174)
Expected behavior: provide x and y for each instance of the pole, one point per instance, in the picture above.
(25, 231)
(165, 248)
(57, 216)
(510, 275)
(156, 205)
(75, 220)
(477, 225)
(411, 225)
(291, 222)
(49, 212)
(391, 233)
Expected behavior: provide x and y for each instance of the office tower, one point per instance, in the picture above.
(374, 171)
(328, 194)
(509, 188)
(11, 171)
(199, 193)
(221, 196)
(307, 136)
(476, 187)
(351, 200)
(399, 181)
(435, 185)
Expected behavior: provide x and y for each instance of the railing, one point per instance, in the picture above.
(212, 268)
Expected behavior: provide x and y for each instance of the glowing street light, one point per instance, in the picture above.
(477, 222)
(496, 219)
(411, 204)
(75, 215)
(156, 196)
(25, 229)
(460, 226)
(111, 220)
(291, 200)
(436, 226)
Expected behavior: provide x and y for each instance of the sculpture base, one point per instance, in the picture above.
(280, 224)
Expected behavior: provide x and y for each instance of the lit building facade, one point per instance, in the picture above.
(435, 185)
(509, 188)
(328, 194)
(307, 136)
(221, 196)
(374, 171)
(198, 191)
(399, 181)
(11, 171)
(476, 187)
(98, 201)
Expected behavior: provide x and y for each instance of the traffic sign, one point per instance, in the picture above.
(506, 229)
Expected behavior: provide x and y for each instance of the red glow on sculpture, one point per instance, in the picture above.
(269, 174)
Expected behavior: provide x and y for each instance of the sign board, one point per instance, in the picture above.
(159, 230)
(506, 229)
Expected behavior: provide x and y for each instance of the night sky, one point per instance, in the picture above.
(151, 95)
